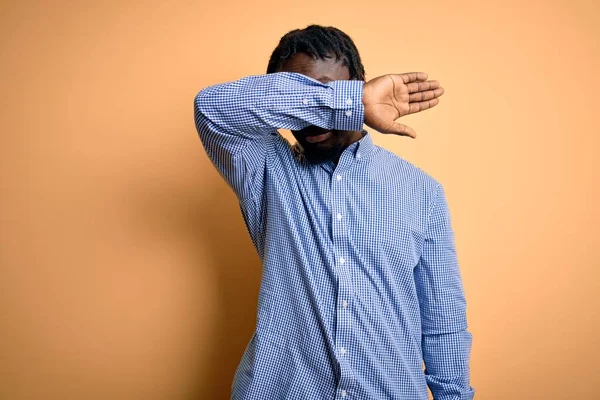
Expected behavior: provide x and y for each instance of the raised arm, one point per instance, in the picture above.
(238, 121)
(446, 343)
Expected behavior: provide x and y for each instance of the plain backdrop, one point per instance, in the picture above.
(126, 269)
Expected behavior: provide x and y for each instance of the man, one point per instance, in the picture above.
(360, 282)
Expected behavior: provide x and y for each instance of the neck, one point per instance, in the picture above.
(352, 137)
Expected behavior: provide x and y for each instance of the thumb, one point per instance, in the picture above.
(402, 130)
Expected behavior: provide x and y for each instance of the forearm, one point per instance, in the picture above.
(257, 105)
(446, 358)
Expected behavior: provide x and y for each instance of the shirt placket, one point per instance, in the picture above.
(344, 282)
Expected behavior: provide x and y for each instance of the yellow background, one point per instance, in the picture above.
(126, 270)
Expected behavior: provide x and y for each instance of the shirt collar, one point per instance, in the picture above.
(364, 146)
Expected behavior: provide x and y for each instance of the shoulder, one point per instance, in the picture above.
(402, 171)
(405, 181)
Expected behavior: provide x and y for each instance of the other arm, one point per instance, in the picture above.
(446, 343)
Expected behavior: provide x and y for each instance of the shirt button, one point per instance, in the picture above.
(339, 177)
(357, 155)
(349, 113)
(339, 217)
(342, 351)
(345, 303)
(349, 102)
(305, 101)
(342, 260)
(343, 393)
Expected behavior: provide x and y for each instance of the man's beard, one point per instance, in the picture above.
(317, 153)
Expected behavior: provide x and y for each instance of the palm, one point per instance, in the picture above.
(392, 96)
(389, 97)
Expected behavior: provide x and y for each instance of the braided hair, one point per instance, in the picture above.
(320, 42)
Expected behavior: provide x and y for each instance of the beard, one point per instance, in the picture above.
(328, 149)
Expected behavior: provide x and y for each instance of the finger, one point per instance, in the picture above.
(422, 105)
(422, 86)
(401, 130)
(413, 77)
(427, 95)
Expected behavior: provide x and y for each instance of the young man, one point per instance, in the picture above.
(360, 281)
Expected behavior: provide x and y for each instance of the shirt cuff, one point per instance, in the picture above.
(348, 109)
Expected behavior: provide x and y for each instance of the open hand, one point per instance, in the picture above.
(389, 97)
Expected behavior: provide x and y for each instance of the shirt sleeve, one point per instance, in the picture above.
(446, 343)
(237, 122)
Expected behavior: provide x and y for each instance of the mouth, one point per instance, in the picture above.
(318, 138)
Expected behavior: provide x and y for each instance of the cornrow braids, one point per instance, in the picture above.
(320, 42)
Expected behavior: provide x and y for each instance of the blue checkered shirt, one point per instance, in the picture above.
(360, 282)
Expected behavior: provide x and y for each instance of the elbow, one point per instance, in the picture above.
(205, 100)
(200, 117)
(199, 105)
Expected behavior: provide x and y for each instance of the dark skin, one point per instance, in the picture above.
(385, 99)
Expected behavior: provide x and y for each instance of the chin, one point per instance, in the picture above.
(322, 152)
